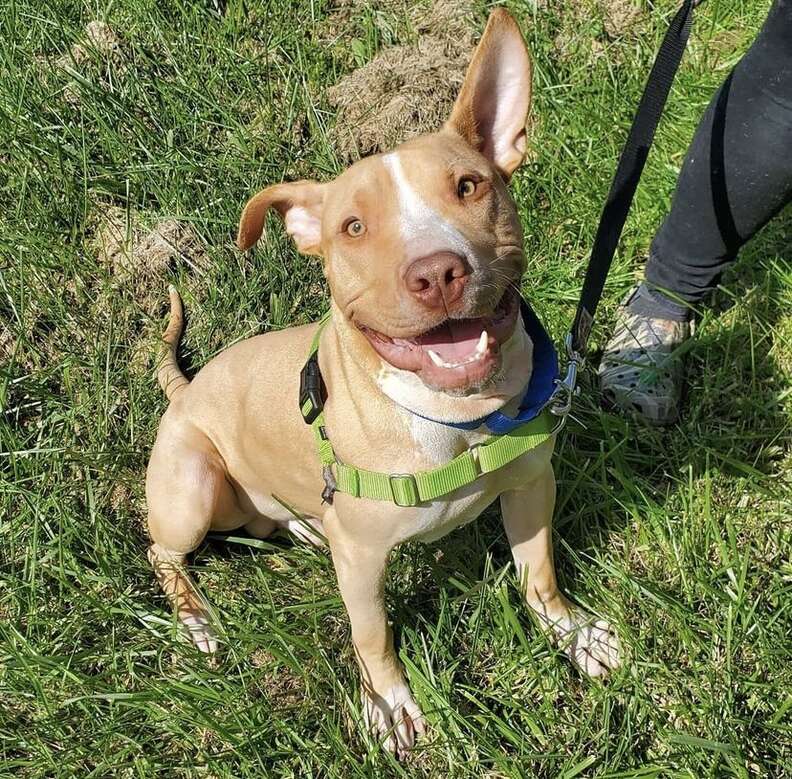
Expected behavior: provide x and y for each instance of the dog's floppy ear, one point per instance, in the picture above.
(492, 107)
(299, 203)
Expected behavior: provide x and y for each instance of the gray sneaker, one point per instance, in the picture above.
(641, 368)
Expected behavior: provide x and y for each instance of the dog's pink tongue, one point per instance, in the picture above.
(454, 341)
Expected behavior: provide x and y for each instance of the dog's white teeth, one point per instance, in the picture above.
(481, 346)
(481, 350)
(438, 360)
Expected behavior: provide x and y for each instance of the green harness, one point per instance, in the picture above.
(411, 489)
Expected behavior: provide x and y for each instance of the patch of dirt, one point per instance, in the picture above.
(140, 256)
(99, 37)
(719, 50)
(619, 16)
(580, 33)
(406, 89)
(7, 342)
(123, 242)
(453, 22)
(99, 46)
(119, 497)
(343, 21)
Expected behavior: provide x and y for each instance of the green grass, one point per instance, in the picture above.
(681, 536)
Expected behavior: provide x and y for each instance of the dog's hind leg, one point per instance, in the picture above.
(188, 495)
(190, 606)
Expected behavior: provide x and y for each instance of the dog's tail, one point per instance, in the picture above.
(169, 374)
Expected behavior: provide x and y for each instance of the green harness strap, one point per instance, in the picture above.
(410, 489)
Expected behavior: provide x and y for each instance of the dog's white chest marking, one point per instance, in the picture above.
(440, 443)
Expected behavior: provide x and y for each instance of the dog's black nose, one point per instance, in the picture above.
(437, 280)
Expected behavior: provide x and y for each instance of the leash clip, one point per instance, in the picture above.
(566, 388)
(330, 485)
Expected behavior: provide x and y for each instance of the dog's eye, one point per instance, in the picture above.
(466, 187)
(355, 228)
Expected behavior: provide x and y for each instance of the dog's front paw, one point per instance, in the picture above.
(395, 717)
(590, 643)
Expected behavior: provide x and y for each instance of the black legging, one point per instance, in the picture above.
(738, 170)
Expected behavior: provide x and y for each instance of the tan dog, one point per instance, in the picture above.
(422, 249)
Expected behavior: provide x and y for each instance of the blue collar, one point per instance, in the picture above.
(540, 386)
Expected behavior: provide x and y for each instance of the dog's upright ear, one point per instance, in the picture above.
(492, 107)
(299, 203)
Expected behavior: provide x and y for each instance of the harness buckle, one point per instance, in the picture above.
(311, 402)
(566, 389)
(404, 489)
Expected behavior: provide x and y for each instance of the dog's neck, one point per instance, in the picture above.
(362, 366)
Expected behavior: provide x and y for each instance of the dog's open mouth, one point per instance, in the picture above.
(458, 354)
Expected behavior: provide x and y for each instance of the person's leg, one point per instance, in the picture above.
(737, 175)
(738, 170)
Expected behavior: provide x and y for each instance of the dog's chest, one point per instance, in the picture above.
(441, 516)
(439, 444)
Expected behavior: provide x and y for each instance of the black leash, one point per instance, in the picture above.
(622, 192)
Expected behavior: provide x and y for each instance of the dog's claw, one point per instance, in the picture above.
(394, 717)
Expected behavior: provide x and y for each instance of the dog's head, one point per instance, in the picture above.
(422, 246)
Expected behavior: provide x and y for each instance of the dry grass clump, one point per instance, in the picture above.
(99, 37)
(98, 45)
(124, 243)
(140, 256)
(406, 89)
(620, 19)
